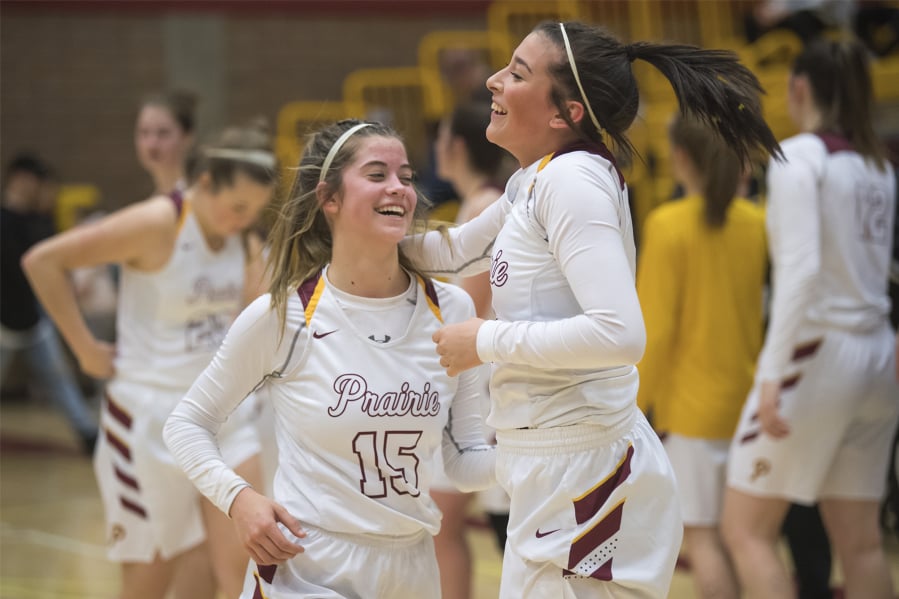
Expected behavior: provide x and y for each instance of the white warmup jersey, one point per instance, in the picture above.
(586, 474)
(357, 419)
(171, 322)
(569, 329)
(830, 226)
(829, 344)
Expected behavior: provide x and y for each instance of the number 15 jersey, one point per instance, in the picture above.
(357, 419)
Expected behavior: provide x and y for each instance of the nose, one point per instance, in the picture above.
(493, 82)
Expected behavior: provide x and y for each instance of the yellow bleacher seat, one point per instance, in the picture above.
(513, 20)
(408, 98)
(71, 202)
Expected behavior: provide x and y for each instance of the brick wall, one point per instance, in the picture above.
(72, 79)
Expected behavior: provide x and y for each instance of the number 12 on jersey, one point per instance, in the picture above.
(387, 455)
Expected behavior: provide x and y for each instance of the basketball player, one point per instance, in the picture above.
(186, 273)
(594, 510)
(342, 346)
(819, 421)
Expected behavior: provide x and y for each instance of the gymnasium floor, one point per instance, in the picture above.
(51, 534)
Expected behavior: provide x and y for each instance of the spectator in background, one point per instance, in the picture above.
(700, 279)
(28, 182)
(806, 18)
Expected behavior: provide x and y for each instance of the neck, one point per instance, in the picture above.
(469, 184)
(368, 273)
(811, 121)
(197, 201)
(167, 181)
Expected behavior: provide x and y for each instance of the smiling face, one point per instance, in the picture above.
(376, 200)
(525, 121)
(159, 141)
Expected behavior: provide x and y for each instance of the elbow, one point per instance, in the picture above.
(31, 260)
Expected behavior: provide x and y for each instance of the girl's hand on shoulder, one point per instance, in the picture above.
(256, 519)
(96, 360)
(457, 345)
(769, 410)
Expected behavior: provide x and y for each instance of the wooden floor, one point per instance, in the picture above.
(51, 534)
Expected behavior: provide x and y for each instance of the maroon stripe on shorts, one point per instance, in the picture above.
(118, 412)
(267, 572)
(127, 480)
(604, 530)
(130, 505)
(806, 350)
(749, 437)
(790, 382)
(120, 445)
(589, 505)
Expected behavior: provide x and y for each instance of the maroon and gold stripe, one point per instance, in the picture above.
(588, 505)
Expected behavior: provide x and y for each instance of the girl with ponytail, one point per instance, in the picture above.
(594, 509)
(820, 419)
(700, 278)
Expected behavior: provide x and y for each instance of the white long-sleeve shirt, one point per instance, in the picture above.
(357, 419)
(568, 329)
(830, 225)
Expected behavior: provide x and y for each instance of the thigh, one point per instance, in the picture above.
(699, 466)
(579, 519)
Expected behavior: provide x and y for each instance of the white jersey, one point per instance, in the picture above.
(170, 322)
(830, 224)
(569, 329)
(357, 419)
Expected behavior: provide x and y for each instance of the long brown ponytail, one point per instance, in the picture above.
(711, 86)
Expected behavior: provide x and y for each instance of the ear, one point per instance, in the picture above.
(327, 201)
(801, 89)
(575, 112)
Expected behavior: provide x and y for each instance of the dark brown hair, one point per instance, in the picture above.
(181, 104)
(711, 85)
(841, 86)
(718, 166)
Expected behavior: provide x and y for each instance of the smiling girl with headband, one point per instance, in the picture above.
(594, 510)
(186, 271)
(342, 348)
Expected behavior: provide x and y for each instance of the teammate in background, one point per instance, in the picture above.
(474, 167)
(700, 279)
(186, 272)
(342, 347)
(586, 474)
(163, 136)
(25, 328)
(819, 421)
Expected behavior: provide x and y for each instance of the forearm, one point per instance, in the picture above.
(51, 285)
(189, 434)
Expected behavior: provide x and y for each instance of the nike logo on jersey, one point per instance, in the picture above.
(384, 340)
(318, 335)
(540, 535)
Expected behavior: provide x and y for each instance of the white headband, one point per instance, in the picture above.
(577, 78)
(336, 148)
(257, 157)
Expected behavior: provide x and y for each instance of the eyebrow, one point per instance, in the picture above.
(518, 60)
(384, 164)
